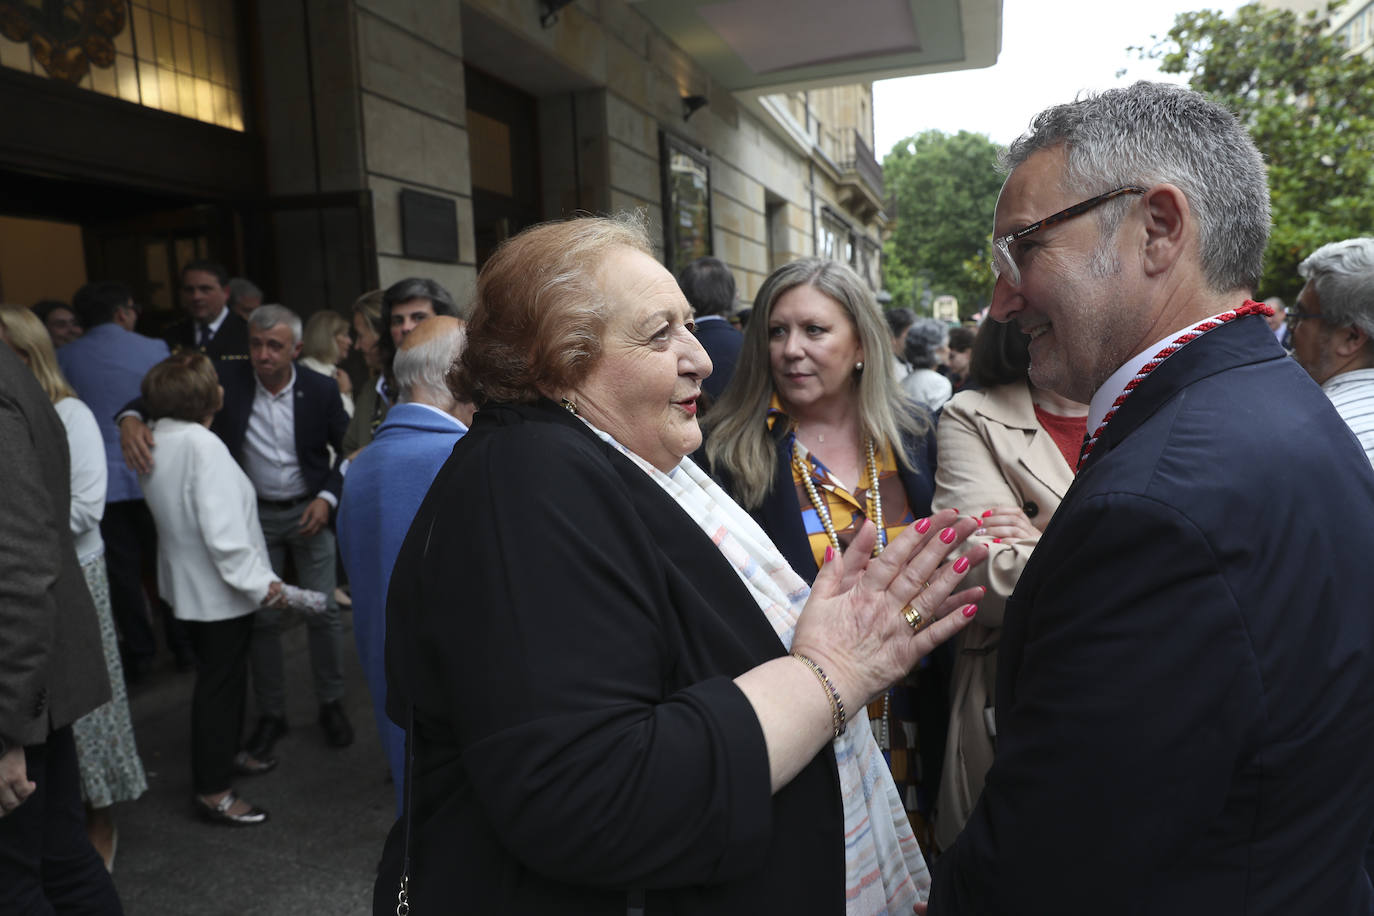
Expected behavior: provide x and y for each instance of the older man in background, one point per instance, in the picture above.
(1185, 700)
(385, 485)
(1333, 330)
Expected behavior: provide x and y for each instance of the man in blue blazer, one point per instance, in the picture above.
(709, 287)
(280, 424)
(106, 368)
(1185, 687)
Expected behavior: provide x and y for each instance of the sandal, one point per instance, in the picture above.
(218, 813)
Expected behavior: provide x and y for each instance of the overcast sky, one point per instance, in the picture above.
(1051, 50)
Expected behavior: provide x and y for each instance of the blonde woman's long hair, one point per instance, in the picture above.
(25, 334)
(738, 440)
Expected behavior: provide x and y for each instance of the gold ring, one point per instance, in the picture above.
(912, 617)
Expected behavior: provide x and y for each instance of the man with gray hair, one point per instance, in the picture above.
(1184, 682)
(244, 296)
(1333, 330)
(383, 490)
(279, 424)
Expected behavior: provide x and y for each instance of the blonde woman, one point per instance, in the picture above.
(111, 770)
(813, 437)
(324, 345)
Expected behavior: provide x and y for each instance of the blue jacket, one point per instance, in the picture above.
(382, 492)
(1185, 684)
(106, 367)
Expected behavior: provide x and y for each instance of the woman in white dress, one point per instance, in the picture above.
(107, 754)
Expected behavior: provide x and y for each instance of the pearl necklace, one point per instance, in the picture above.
(875, 512)
(875, 498)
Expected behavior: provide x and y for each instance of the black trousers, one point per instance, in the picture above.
(47, 863)
(131, 556)
(218, 699)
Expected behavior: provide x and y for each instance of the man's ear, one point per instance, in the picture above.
(296, 353)
(1168, 220)
(1350, 340)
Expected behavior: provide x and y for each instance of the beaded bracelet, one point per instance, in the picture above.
(837, 716)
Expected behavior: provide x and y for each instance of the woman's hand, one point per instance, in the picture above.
(853, 624)
(1008, 523)
(345, 383)
(275, 596)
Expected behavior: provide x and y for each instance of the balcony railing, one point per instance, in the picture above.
(847, 149)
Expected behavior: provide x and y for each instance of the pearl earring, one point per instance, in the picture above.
(859, 367)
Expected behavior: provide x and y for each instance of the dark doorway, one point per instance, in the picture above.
(503, 141)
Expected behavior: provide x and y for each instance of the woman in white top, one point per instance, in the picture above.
(212, 568)
(106, 752)
(325, 344)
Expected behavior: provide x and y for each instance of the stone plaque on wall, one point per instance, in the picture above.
(429, 226)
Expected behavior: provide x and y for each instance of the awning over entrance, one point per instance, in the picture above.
(769, 46)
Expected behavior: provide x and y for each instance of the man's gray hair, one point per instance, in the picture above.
(1153, 133)
(423, 367)
(1342, 273)
(267, 317)
(240, 287)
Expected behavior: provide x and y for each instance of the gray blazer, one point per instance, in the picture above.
(52, 669)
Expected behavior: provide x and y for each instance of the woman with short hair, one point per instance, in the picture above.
(212, 568)
(620, 695)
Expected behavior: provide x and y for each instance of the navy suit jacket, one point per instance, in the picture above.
(229, 342)
(1185, 684)
(320, 421)
(722, 343)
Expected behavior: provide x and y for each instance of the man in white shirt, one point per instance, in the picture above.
(1333, 330)
(210, 325)
(279, 424)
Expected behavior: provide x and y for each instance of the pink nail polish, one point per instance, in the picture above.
(997, 540)
(987, 513)
(982, 591)
(923, 525)
(829, 552)
(948, 535)
(970, 610)
(961, 565)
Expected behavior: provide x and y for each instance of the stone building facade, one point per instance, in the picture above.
(324, 147)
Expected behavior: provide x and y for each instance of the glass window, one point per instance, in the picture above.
(686, 203)
(179, 56)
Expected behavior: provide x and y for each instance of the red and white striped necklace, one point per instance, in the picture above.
(1202, 327)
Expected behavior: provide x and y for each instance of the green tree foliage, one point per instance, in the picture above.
(945, 187)
(1310, 108)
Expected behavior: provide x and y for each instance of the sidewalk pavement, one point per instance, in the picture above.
(330, 809)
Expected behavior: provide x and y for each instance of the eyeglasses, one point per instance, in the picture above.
(1004, 266)
(1295, 315)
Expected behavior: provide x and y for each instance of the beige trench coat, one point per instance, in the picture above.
(993, 452)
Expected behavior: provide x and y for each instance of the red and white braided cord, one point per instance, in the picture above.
(1202, 327)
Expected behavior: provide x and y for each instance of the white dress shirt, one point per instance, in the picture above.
(269, 443)
(89, 476)
(212, 327)
(1118, 380)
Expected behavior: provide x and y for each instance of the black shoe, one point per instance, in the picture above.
(219, 813)
(246, 764)
(265, 736)
(337, 731)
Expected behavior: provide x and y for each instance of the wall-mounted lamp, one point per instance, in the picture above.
(693, 103)
(550, 14)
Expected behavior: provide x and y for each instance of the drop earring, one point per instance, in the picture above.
(568, 405)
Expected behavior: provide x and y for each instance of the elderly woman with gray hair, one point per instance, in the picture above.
(923, 341)
(620, 696)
